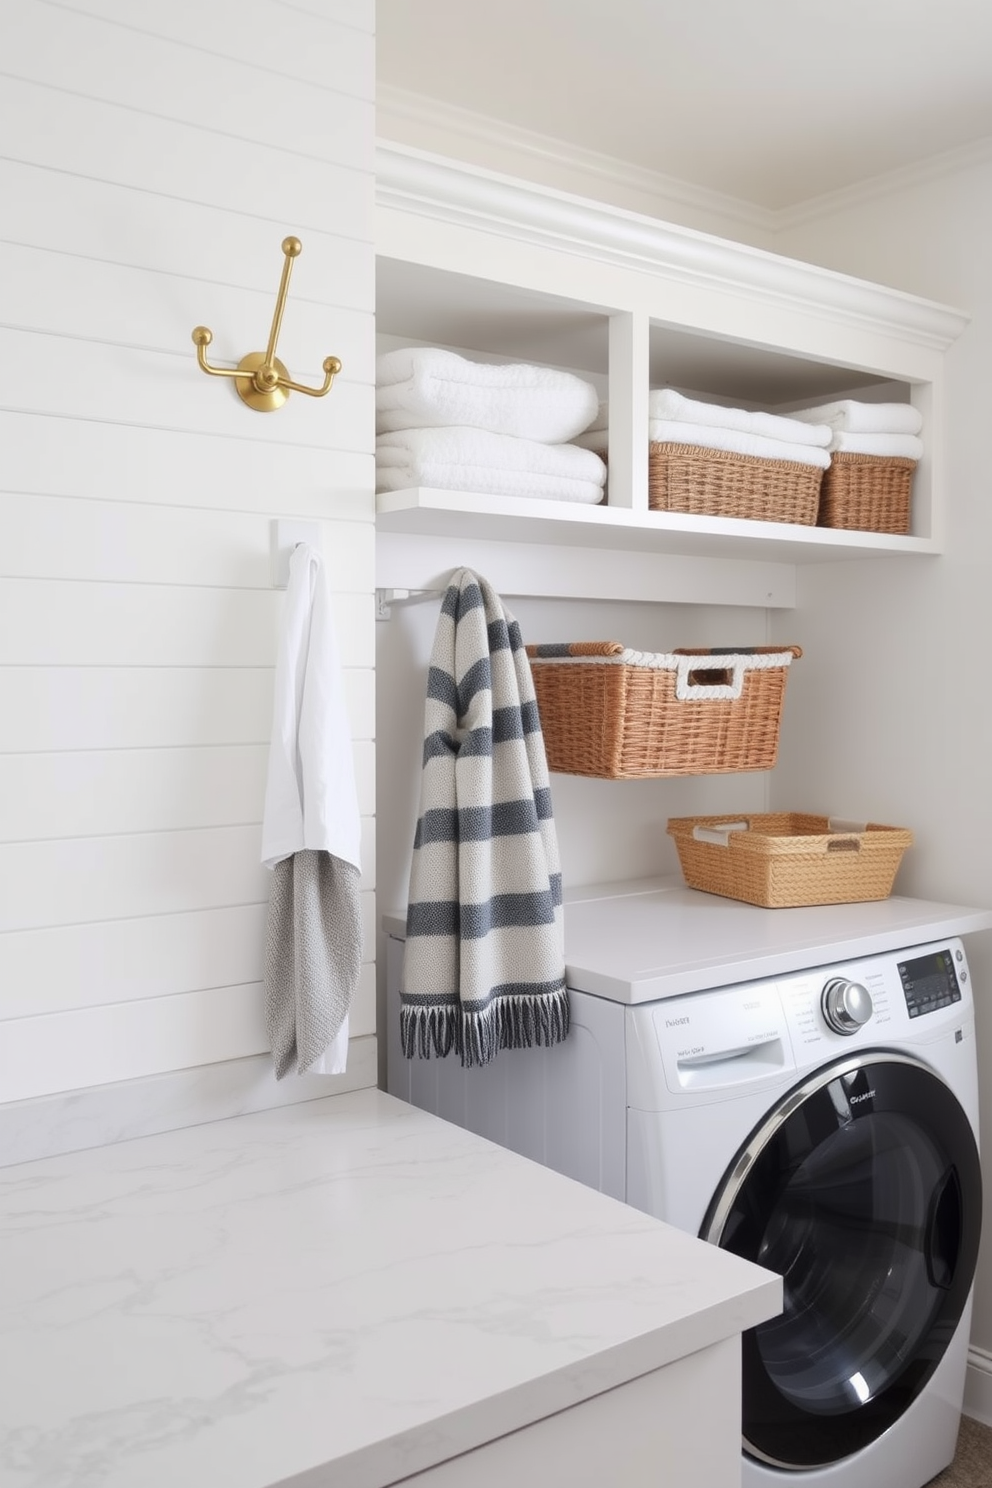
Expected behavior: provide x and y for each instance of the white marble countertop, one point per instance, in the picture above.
(341, 1292)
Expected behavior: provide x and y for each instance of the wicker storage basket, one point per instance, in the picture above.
(870, 493)
(787, 859)
(718, 483)
(625, 715)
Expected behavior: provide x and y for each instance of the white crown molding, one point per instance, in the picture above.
(445, 190)
(406, 106)
(920, 173)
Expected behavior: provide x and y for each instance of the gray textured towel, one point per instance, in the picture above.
(484, 964)
(313, 955)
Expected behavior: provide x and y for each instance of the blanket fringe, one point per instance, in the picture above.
(510, 1022)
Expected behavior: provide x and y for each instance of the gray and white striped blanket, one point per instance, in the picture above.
(484, 965)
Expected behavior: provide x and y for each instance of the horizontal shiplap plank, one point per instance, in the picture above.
(77, 966)
(302, 45)
(77, 457)
(130, 1040)
(104, 793)
(74, 215)
(92, 707)
(329, 120)
(61, 623)
(108, 878)
(125, 385)
(57, 537)
(90, 300)
(48, 127)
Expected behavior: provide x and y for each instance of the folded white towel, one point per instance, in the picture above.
(893, 446)
(421, 387)
(864, 418)
(666, 403)
(668, 431)
(493, 464)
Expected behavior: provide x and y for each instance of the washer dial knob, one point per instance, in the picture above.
(846, 1005)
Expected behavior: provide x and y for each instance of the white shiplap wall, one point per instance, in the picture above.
(156, 152)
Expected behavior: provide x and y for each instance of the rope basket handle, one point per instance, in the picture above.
(551, 649)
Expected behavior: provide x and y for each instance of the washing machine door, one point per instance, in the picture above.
(862, 1189)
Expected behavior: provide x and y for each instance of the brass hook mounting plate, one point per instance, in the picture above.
(264, 401)
(261, 379)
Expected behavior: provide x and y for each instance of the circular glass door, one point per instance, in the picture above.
(862, 1189)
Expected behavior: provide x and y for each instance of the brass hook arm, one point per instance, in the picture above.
(332, 366)
(202, 338)
(261, 379)
(292, 248)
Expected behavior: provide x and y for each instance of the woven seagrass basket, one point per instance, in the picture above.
(625, 715)
(718, 483)
(786, 859)
(870, 493)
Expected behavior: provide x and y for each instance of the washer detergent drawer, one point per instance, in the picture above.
(706, 1043)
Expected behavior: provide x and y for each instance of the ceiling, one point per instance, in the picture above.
(772, 102)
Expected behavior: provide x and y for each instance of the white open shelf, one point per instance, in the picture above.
(561, 549)
(427, 511)
(501, 269)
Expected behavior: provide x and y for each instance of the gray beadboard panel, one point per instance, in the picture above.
(303, 45)
(332, 120)
(94, 139)
(252, 473)
(93, 1117)
(58, 623)
(92, 707)
(116, 541)
(115, 224)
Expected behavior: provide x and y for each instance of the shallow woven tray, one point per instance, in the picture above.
(870, 493)
(623, 722)
(785, 859)
(718, 483)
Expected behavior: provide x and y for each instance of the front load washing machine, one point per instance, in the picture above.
(821, 1122)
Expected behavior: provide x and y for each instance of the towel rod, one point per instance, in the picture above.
(386, 598)
(261, 379)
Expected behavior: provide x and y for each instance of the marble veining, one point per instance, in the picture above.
(338, 1292)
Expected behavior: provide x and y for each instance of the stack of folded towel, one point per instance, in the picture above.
(675, 419)
(889, 430)
(447, 422)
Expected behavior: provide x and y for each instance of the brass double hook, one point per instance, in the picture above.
(261, 379)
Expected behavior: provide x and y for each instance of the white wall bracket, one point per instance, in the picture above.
(284, 537)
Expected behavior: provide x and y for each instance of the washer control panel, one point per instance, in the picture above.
(930, 981)
(733, 1035)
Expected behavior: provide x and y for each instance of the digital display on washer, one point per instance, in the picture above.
(929, 983)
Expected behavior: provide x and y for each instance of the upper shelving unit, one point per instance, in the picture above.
(501, 269)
